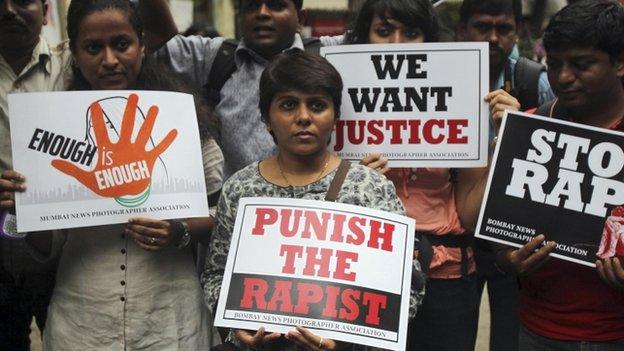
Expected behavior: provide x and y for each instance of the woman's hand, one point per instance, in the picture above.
(304, 338)
(150, 234)
(10, 182)
(258, 338)
(376, 162)
(611, 271)
(500, 101)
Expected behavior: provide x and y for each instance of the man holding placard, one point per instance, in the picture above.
(564, 305)
(27, 64)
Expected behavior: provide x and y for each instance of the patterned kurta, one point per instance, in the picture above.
(362, 187)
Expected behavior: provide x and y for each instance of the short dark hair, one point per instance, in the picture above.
(298, 4)
(413, 13)
(490, 7)
(78, 10)
(595, 24)
(302, 72)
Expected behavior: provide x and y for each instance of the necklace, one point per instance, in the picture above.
(279, 164)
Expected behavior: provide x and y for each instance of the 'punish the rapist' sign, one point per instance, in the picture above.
(560, 179)
(343, 271)
(419, 105)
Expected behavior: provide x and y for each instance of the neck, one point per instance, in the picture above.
(303, 165)
(604, 114)
(17, 58)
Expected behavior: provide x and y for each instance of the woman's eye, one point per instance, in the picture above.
(287, 105)
(413, 32)
(383, 31)
(318, 106)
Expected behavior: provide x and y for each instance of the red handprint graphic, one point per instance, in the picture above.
(123, 168)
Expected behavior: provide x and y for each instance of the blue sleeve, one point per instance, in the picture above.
(544, 91)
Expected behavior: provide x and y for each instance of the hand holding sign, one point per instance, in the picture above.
(10, 182)
(123, 168)
(528, 258)
(611, 272)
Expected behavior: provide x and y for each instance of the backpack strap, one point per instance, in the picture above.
(336, 184)
(222, 69)
(526, 82)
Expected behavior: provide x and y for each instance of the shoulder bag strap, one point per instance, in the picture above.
(336, 184)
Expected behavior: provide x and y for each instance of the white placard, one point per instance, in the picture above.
(86, 168)
(419, 105)
(342, 270)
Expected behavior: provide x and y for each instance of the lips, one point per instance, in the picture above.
(304, 135)
(264, 30)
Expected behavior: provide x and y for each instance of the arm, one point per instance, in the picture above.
(471, 182)
(158, 22)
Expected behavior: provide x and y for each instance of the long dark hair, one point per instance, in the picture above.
(413, 13)
(152, 76)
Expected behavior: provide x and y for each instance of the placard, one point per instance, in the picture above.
(342, 271)
(419, 105)
(560, 179)
(100, 157)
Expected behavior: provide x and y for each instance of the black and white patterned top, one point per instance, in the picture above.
(362, 187)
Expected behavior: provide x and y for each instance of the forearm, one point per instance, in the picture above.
(200, 229)
(158, 23)
(469, 192)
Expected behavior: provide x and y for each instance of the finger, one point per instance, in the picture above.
(7, 205)
(246, 336)
(160, 148)
(314, 339)
(600, 270)
(301, 341)
(127, 124)
(99, 127)
(10, 186)
(491, 95)
(149, 222)
(268, 337)
(148, 231)
(530, 247)
(369, 158)
(148, 125)
(618, 269)
(609, 271)
(148, 243)
(538, 259)
(258, 337)
(384, 170)
(14, 176)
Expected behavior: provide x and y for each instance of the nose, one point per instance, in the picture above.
(396, 37)
(110, 58)
(303, 115)
(263, 10)
(493, 36)
(566, 75)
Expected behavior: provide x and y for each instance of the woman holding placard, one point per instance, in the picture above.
(130, 286)
(444, 202)
(300, 97)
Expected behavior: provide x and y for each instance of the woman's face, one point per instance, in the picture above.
(108, 51)
(391, 31)
(302, 123)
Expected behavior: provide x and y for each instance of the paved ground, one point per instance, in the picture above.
(482, 337)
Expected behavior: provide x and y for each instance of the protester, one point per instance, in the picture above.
(300, 97)
(27, 64)
(435, 197)
(567, 306)
(229, 70)
(498, 22)
(124, 286)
